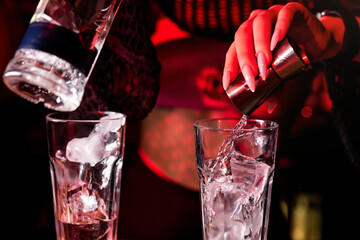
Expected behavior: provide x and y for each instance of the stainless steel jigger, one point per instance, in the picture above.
(289, 59)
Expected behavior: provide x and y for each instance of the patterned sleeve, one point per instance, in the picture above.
(218, 18)
(126, 76)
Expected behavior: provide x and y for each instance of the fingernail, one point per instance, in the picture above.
(275, 39)
(249, 77)
(226, 79)
(271, 106)
(262, 65)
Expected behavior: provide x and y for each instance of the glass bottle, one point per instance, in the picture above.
(58, 51)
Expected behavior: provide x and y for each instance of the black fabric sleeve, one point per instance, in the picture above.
(344, 89)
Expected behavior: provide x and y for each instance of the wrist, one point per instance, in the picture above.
(344, 30)
(335, 27)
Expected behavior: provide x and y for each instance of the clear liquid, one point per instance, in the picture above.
(100, 229)
(222, 159)
(236, 197)
(231, 213)
(86, 199)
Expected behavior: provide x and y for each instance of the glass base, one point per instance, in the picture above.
(41, 77)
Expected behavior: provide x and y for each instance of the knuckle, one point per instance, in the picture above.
(245, 27)
(263, 17)
(276, 6)
(255, 13)
(294, 5)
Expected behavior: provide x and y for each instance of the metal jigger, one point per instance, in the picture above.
(289, 59)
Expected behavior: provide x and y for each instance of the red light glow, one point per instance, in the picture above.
(306, 112)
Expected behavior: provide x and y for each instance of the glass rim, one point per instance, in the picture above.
(197, 124)
(59, 116)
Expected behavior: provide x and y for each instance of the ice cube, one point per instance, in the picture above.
(248, 145)
(250, 174)
(59, 156)
(112, 143)
(84, 203)
(102, 142)
(85, 150)
(224, 199)
(108, 125)
(95, 148)
(75, 148)
(236, 231)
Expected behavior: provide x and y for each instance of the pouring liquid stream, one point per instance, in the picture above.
(223, 159)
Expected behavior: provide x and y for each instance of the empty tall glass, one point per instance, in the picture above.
(86, 157)
(236, 169)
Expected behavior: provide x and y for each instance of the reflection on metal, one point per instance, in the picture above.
(306, 217)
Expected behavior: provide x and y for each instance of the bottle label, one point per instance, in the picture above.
(61, 42)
